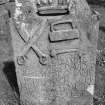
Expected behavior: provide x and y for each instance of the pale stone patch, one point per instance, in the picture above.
(34, 77)
(23, 27)
(17, 10)
(17, 3)
(17, 13)
(90, 89)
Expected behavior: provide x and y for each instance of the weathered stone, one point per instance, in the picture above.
(7, 94)
(3, 1)
(57, 67)
(5, 39)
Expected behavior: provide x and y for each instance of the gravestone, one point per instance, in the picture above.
(55, 44)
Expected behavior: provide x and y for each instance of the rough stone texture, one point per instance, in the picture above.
(7, 94)
(3, 1)
(100, 65)
(67, 74)
(5, 40)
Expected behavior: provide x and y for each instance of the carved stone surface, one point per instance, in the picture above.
(55, 51)
(7, 93)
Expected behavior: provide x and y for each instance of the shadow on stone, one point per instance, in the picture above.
(102, 28)
(9, 71)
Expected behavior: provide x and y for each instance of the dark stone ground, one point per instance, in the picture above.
(8, 87)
